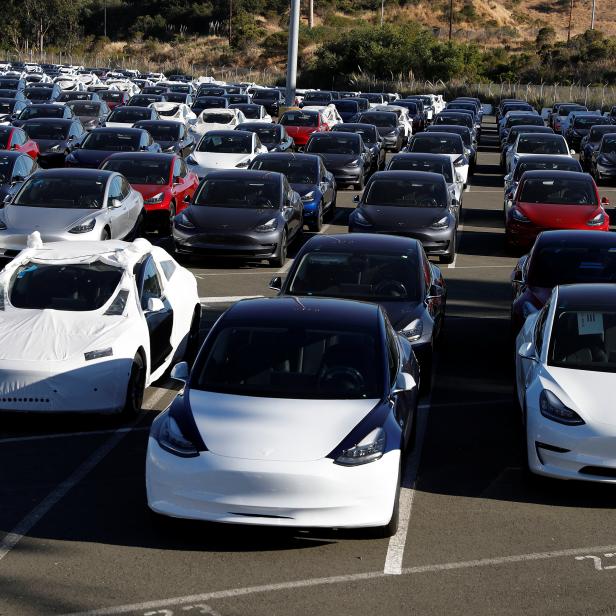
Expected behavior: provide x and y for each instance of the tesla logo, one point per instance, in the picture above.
(401, 224)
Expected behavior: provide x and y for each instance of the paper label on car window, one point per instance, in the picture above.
(590, 323)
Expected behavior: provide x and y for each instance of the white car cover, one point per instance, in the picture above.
(174, 111)
(124, 85)
(201, 125)
(70, 83)
(61, 360)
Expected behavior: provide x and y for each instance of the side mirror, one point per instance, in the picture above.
(187, 199)
(572, 152)
(356, 199)
(115, 203)
(518, 277)
(404, 382)
(7, 198)
(276, 283)
(527, 351)
(155, 304)
(605, 201)
(180, 372)
(435, 292)
(20, 178)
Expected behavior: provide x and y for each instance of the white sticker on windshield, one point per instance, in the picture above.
(590, 323)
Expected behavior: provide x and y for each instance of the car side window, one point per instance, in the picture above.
(182, 133)
(392, 354)
(19, 168)
(177, 169)
(115, 190)
(76, 130)
(28, 165)
(540, 328)
(125, 188)
(150, 287)
(19, 137)
(183, 168)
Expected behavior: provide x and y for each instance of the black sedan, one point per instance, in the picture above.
(348, 108)
(603, 160)
(271, 99)
(91, 113)
(248, 214)
(42, 95)
(56, 138)
(102, 142)
(470, 146)
(15, 169)
(344, 154)
(580, 127)
(170, 135)
(44, 110)
(273, 136)
(393, 272)
(209, 102)
(251, 111)
(591, 142)
(411, 204)
(372, 140)
(307, 176)
(66, 96)
(145, 100)
(386, 123)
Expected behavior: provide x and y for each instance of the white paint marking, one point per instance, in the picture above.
(340, 579)
(397, 543)
(285, 268)
(226, 300)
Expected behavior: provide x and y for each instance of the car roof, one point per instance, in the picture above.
(229, 133)
(332, 135)
(557, 174)
(313, 158)
(249, 126)
(587, 296)
(420, 156)
(118, 129)
(409, 176)
(145, 123)
(245, 174)
(364, 242)
(72, 172)
(143, 156)
(132, 107)
(549, 158)
(305, 312)
(575, 238)
(12, 154)
(53, 121)
(361, 125)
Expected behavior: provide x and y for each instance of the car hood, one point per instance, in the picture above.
(204, 127)
(551, 216)
(91, 158)
(149, 190)
(339, 160)
(25, 219)
(302, 189)
(54, 335)
(585, 391)
(611, 157)
(215, 160)
(403, 217)
(228, 219)
(274, 428)
(402, 313)
(46, 144)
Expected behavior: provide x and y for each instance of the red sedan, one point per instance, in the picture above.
(301, 124)
(163, 180)
(13, 138)
(554, 200)
(114, 98)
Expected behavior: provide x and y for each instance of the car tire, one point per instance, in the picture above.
(281, 256)
(105, 235)
(317, 225)
(135, 388)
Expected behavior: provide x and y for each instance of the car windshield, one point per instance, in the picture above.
(310, 97)
(162, 132)
(144, 100)
(171, 111)
(437, 144)
(111, 96)
(585, 122)
(299, 363)
(53, 111)
(299, 118)
(238, 193)
(455, 120)
(267, 134)
(266, 95)
(464, 132)
(334, 145)
(563, 164)
(560, 191)
(597, 131)
(80, 193)
(252, 112)
(73, 287)
(538, 144)
(384, 120)
(128, 115)
(112, 142)
(609, 146)
(584, 340)
(297, 171)
(84, 109)
(414, 164)
(225, 144)
(565, 110)
(373, 98)
(347, 105)
(216, 118)
(46, 130)
(556, 265)
(369, 136)
(406, 193)
(141, 170)
(361, 276)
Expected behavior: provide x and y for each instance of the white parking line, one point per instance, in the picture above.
(27, 523)
(342, 579)
(468, 188)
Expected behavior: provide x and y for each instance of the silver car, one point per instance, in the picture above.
(71, 204)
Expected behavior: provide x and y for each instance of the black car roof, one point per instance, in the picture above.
(251, 126)
(143, 155)
(314, 158)
(426, 176)
(363, 242)
(244, 174)
(549, 158)
(146, 123)
(577, 238)
(54, 121)
(358, 125)
(229, 133)
(115, 130)
(132, 107)
(557, 174)
(587, 296)
(420, 156)
(333, 136)
(74, 172)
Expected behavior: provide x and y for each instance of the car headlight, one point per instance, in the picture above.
(369, 449)
(440, 223)
(354, 163)
(191, 160)
(90, 355)
(171, 439)
(157, 198)
(518, 216)
(552, 408)
(360, 219)
(460, 161)
(597, 220)
(309, 196)
(413, 330)
(183, 221)
(270, 225)
(83, 227)
(55, 148)
(243, 165)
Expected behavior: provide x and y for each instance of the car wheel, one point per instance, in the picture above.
(105, 235)
(451, 255)
(281, 257)
(317, 225)
(167, 228)
(192, 344)
(135, 388)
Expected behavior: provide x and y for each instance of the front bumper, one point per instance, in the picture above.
(64, 386)
(390, 142)
(317, 493)
(12, 242)
(605, 171)
(347, 175)
(254, 244)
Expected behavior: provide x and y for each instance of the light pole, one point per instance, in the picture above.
(292, 52)
(311, 14)
(569, 28)
(382, 11)
(105, 19)
(592, 19)
(450, 18)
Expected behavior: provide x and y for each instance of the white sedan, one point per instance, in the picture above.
(216, 119)
(536, 144)
(565, 378)
(224, 149)
(86, 326)
(179, 112)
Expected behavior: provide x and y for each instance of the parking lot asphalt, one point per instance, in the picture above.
(477, 535)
